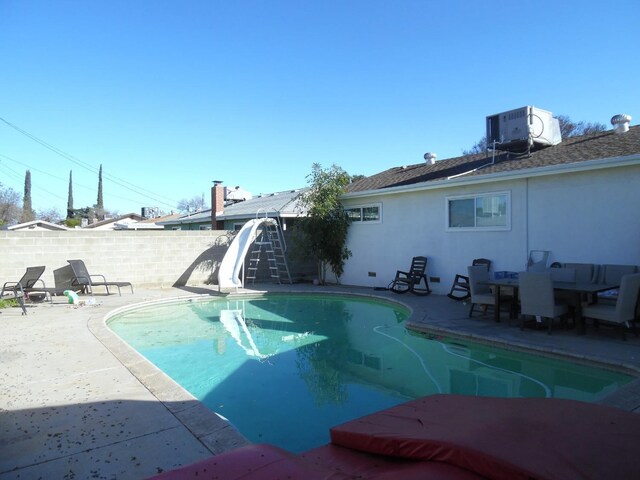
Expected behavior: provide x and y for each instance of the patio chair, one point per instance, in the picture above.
(21, 288)
(537, 298)
(85, 281)
(625, 311)
(32, 287)
(413, 280)
(29, 279)
(461, 282)
(537, 261)
(479, 290)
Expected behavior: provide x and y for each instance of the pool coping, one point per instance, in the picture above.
(218, 434)
(210, 428)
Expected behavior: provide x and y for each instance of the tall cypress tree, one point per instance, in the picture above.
(100, 204)
(70, 212)
(27, 210)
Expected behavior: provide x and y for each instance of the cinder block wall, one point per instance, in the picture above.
(146, 259)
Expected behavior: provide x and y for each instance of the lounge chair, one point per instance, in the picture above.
(624, 312)
(537, 299)
(29, 279)
(31, 286)
(85, 281)
(412, 281)
(461, 282)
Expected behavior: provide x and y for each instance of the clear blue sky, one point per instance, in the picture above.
(170, 95)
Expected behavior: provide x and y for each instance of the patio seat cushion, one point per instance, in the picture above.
(360, 465)
(255, 461)
(262, 461)
(503, 438)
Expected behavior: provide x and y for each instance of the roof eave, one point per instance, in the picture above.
(587, 165)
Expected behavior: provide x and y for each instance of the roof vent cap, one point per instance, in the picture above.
(430, 158)
(621, 122)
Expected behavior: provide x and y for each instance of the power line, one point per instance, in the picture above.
(118, 181)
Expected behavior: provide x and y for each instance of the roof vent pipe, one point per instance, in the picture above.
(621, 122)
(430, 158)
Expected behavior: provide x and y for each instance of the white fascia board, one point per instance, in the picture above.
(502, 176)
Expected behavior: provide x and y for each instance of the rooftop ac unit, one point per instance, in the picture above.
(526, 126)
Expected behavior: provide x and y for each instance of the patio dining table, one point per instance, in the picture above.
(577, 289)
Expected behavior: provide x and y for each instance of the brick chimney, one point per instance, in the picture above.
(217, 204)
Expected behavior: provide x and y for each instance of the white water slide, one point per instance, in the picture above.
(233, 261)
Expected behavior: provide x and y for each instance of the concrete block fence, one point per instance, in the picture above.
(155, 259)
(146, 259)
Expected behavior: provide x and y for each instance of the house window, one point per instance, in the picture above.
(365, 213)
(205, 227)
(490, 211)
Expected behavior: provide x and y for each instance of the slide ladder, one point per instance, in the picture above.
(270, 244)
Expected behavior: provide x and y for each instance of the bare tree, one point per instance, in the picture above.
(568, 128)
(52, 215)
(196, 204)
(10, 206)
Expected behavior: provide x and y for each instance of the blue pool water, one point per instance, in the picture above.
(285, 368)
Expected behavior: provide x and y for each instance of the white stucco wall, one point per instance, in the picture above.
(587, 216)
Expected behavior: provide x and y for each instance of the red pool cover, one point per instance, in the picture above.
(261, 461)
(256, 461)
(502, 438)
(452, 437)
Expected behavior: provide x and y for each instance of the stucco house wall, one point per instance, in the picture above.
(588, 216)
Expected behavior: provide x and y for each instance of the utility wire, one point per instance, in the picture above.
(123, 183)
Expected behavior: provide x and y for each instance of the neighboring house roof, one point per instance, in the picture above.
(571, 152)
(198, 217)
(146, 224)
(109, 223)
(37, 225)
(162, 218)
(281, 204)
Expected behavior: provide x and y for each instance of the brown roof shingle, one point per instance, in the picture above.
(571, 150)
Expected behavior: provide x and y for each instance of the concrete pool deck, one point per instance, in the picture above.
(77, 402)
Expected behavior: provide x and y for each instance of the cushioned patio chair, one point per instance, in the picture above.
(479, 291)
(414, 281)
(585, 272)
(460, 288)
(612, 275)
(537, 298)
(624, 312)
(85, 281)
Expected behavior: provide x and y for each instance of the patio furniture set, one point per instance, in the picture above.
(603, 293)
(74, 277)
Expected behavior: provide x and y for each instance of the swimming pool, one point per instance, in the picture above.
(285, 368)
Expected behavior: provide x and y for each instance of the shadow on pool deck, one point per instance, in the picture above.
(79, 403)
